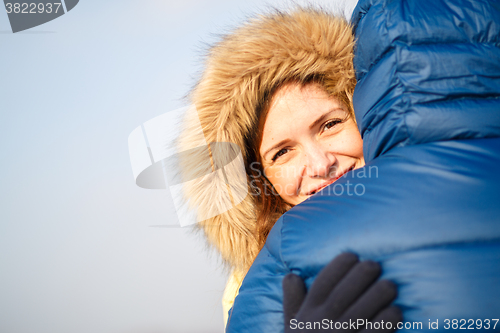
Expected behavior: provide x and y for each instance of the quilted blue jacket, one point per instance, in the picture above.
(427, 204)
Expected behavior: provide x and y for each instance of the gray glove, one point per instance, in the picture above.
(344, 291)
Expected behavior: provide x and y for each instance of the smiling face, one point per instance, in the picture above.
(309, 140)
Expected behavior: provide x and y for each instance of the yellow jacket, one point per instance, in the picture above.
(230, 292)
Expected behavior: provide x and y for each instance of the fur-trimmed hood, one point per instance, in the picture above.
(241, 72)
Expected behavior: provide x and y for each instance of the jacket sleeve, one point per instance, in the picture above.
(259, 304)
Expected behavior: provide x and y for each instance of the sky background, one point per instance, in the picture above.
(78, 250)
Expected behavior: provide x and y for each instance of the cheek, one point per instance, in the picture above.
(358, 145)
(353, 144)
(285, 180)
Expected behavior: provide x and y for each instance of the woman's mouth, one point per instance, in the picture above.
(331, 181)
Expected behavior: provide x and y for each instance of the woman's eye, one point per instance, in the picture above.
(279, 154)
(332, 123)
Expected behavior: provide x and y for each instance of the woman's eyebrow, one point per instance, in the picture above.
(282, 142)
(324, 116)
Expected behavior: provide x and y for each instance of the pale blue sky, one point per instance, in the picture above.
(77, 253)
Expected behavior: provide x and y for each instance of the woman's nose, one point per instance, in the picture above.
(319, 162)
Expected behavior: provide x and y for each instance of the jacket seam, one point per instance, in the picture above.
(281, 245)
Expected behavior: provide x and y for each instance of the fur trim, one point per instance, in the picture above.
(241, 71)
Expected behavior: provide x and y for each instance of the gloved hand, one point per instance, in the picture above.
(344, 291)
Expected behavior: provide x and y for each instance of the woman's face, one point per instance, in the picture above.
(309, 141)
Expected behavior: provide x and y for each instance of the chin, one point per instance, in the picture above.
(299, 200)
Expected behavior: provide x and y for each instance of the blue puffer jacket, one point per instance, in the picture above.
(427, 204)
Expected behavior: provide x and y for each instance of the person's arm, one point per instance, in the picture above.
(346, 291)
